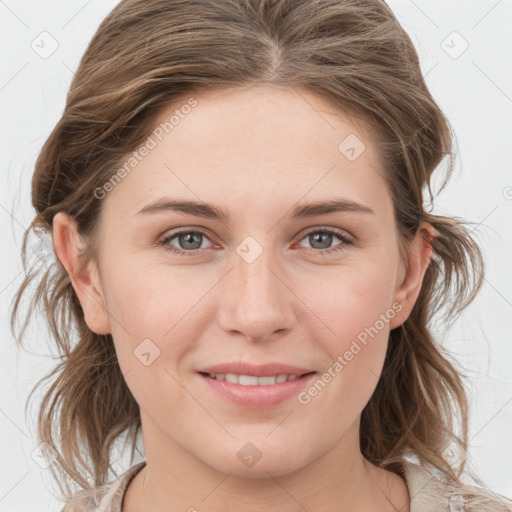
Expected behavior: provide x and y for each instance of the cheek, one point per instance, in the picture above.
(356, 308)
(148, 307)
(350, 302)
(151, 301)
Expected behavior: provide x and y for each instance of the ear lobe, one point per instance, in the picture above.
(418, 259)
(85, 281)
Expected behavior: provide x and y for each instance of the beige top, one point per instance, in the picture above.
(428, 494)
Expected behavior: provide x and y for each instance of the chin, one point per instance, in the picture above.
(250, 462)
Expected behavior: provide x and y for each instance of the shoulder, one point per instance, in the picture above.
(429, 492)
(107, 497)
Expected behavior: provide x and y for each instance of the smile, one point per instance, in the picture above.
(255, 392)
(252, 380)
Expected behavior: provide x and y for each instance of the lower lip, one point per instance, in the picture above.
(258, 397)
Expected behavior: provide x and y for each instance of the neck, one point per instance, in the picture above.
(340, 479)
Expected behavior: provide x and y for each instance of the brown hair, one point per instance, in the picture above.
(148, 54)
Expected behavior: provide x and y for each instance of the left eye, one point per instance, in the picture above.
(190, 242)
(325, 236)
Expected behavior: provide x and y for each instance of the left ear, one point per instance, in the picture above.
(410, 279)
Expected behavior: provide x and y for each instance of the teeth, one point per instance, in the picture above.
(265, 381)
(247, 380)
(251, 380)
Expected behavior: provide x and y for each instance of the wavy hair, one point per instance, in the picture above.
(147, 54)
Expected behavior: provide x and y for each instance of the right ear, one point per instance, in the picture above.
(86, 283)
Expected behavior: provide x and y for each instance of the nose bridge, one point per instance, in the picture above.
(258, 302)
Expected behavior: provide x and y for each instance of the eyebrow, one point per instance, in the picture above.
(210, 211)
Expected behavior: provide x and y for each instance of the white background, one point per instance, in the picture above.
(475, 92)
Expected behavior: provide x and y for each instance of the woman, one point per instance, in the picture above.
(234, 194)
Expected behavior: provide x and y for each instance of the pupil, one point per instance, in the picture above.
(322, 237)
(189, 239)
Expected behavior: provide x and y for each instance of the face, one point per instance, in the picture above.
(272, 282)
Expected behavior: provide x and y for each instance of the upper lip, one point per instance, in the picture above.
(263, 370)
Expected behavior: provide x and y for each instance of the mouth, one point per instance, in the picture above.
(253, 380)
(254, 392)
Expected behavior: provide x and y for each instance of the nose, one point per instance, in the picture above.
(256, 300)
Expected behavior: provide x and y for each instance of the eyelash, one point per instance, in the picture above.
(346, 241)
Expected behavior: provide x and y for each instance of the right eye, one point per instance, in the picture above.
(189, 240)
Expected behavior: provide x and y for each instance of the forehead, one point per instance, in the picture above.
(258, 143)
(264, 121)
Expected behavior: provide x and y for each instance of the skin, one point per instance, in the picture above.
(257, 152)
